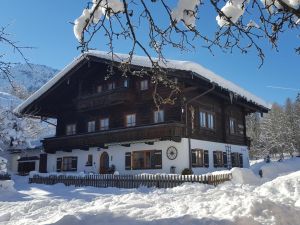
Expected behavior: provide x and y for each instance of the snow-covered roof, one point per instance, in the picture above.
(143, 61)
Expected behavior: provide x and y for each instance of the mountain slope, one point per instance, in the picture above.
(32, 78)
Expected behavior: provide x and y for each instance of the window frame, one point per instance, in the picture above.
(131, 115)
(93, 127)
(70, 162)
(199, 161)
(126, 83)
(156, 116)
(149, 160)
(89, 161)
(102, 128)
(144, 85)
(99, 88)
(220, 159)
(111, 85)
(232, 126)
(71, 131)
(207, 115)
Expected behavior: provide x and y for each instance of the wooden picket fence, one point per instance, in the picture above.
(5, 176)
(129, 181)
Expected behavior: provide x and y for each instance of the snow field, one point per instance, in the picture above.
(270, 202)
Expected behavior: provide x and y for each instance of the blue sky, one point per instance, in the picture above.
(45, 25)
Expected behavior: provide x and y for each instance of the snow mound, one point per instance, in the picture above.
(7, 186)
(244, 176)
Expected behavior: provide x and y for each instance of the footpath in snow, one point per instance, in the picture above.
(246, 200)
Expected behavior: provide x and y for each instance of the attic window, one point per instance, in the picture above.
(71, 129)
(111, 86)
(99, 89)
(144, 85)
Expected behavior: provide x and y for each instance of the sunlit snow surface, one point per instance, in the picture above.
(272, 202)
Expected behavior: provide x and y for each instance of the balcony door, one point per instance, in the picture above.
(104, 163)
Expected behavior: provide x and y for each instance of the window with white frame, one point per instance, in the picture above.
(71, 129)
(126, 83)
(104, 124)
(130, 120)
(159, 116)
(111, 86)
(91, 126)
(232, 125)
(210, 121)
(207, 120)
(202, 119)
(144, 85)
(99, 89)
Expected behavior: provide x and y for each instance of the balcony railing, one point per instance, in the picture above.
(104, 99)
(164, 131)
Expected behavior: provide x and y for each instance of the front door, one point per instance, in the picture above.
(104, 163)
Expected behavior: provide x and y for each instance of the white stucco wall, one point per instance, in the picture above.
(12, 164)
(117, 156)
(214, 146)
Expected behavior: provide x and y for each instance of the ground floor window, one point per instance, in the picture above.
(66, 164)
(89, 161)
(220, 159)
(138, 160)
(26, 167)
(237, 159)
(200, 158)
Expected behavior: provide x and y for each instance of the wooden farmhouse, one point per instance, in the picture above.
(113, 124)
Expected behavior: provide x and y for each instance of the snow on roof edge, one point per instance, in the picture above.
(198, 69)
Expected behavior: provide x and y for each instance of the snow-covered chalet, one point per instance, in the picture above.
(113, 124)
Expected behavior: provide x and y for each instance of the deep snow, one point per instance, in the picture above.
(269, 201)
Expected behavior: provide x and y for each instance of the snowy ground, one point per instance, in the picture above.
(247, 200)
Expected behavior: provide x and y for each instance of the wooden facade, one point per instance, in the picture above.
(85, 95)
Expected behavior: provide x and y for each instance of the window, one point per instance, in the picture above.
(220, 159)
(104, 124)
(69, 164)
(58, 164)
(89, 161)
(99, 89)
(130, 120)
(91, 126)
(71, 129)
(111, 86)
(144, 85)
(232, 126)
(207, 120)
(126, 83)
(200, 158)
(210, 121)
(128, 161)
(202, 119)
(151, 159)
(237, 159)
(159, 116)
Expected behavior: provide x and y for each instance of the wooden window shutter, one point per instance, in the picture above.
(215, 159)
(241, 161)
(128, 161)
(225, 159)
(58, 164)
(158, 159)
(74, 163)
(233, 161)
(206, 159)
(194, 162)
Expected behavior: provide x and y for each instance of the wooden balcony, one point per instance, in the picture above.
(164, 131)
(104, 99)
